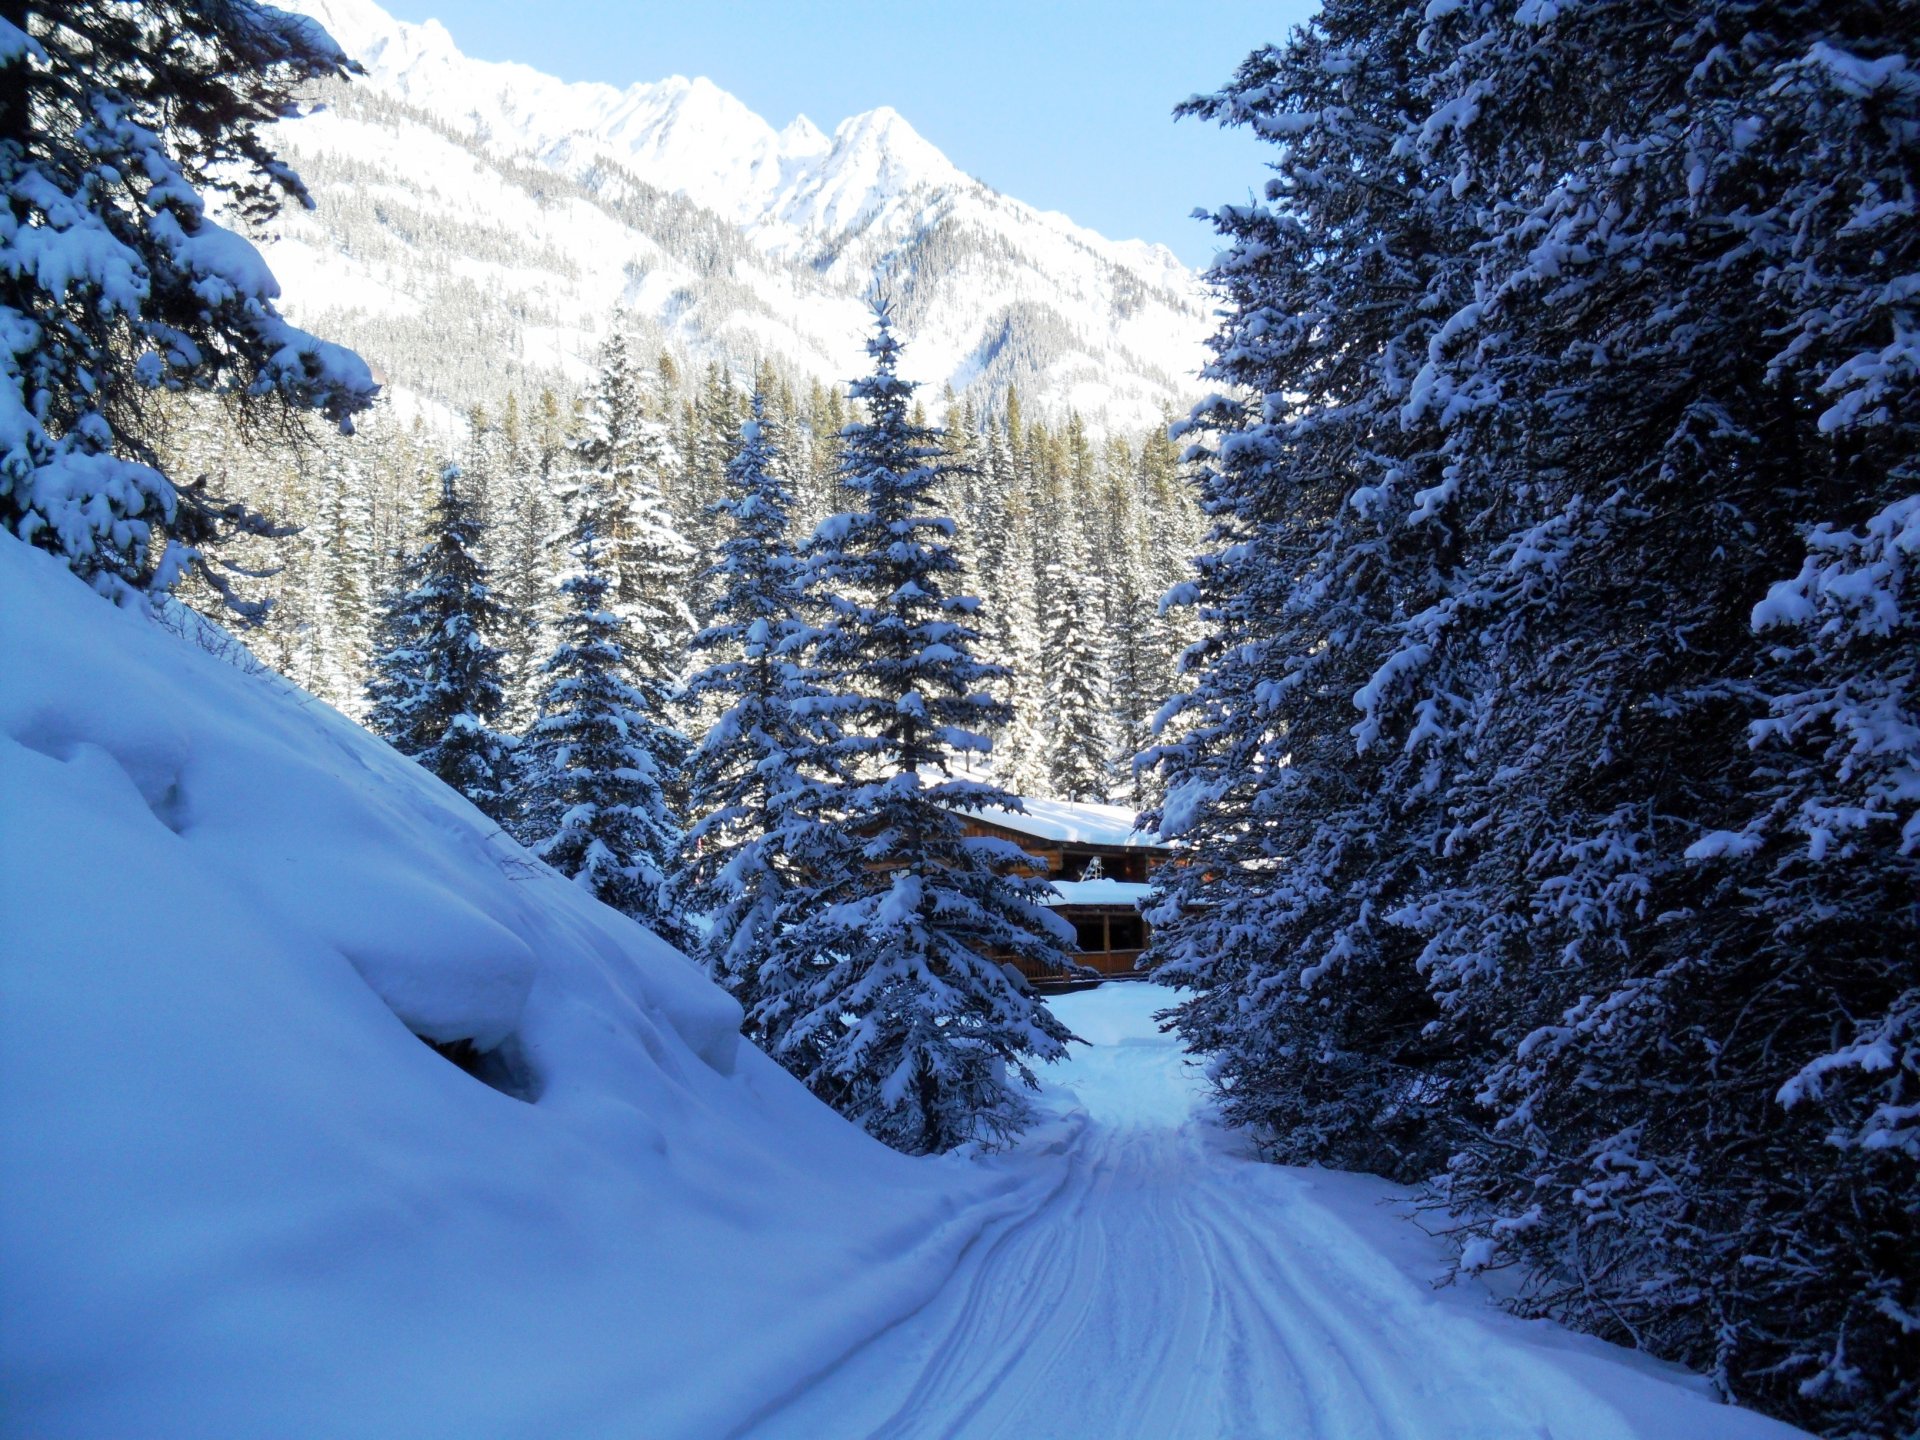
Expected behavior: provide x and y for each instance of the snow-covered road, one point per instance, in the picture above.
(1158, 1283)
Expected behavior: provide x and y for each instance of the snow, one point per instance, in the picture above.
(1150, 1278)
(822, 217)
(1099, 892)
(242, 1199)
(238, 1190)
(1076, 822)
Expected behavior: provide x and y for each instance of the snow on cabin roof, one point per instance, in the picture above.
(1097, 892)
(1070, 821)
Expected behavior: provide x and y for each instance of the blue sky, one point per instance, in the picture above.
(1064, 105)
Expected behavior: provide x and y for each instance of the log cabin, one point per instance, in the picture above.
(1101, 869)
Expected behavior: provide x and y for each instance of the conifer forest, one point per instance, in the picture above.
(1469, 631)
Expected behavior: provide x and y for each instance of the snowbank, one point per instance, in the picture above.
(243, 1198)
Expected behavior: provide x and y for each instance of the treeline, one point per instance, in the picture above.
(1553, 766)
(810, 844)
(1068, 540)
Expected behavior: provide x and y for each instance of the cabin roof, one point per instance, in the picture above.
(1071, 822)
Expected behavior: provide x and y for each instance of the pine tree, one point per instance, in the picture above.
(111, 118)
(345, 564)
(1140, 659)
(754, 776)
(1537, 849)
(397, 666)
(623, 451)
(888, 999)
(1331, 519)
(709, 422)
(526, 543)
(1078, 701)
(816, 444)
(592, 802)
(1676, 377)
(1011, 618)
(436, 687)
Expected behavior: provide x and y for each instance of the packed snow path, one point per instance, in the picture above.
(1158, 1283)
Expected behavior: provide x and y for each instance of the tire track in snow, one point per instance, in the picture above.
(1162, 1288)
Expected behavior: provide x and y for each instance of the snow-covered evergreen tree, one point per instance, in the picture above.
(1140, 659)
(890, 999)
(592, 800)
(623, 451)
(436, 689)
(343, 538)
(709, 428)
(1683, 357)
(115, 285)
(1078, 699)
(528, 521)
(1530, 854)
(1309, 837)
(754, 775)
(397, 665)
(1012, 617)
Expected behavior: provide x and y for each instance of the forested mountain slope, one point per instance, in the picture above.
(478, 224)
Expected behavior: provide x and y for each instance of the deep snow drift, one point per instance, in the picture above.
(243, 1199)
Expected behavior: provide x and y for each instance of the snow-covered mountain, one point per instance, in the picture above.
(477, 219)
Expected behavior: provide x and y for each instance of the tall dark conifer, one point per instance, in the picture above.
(1078, 699)
(592, 799)
(749, 853)
(1683, 368)
(437, 690)
(1332, 519)
(1546, 757)
(890, 1000)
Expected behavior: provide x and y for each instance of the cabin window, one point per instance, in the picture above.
(1073, 864)
(1126, 932)
(1090, 933)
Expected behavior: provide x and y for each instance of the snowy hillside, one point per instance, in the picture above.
(243, 1198)
(504, 213)
(241, 1193)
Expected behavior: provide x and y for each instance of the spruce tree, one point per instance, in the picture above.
(622, 450)
(1331, 520)
(526, 542)
(592, 802)
(1681, 372)
(1553, 823)
(397, 664)
(112, 118)
(437, 686)
(1012, 619)
(754, 775)
(344, 537)
(711, 425)
(1078, 698)
(1140, 660)
(890, 999)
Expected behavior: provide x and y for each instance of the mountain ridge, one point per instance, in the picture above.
(989, 290)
